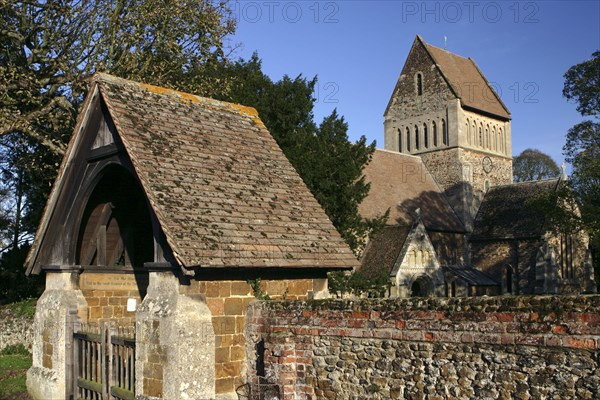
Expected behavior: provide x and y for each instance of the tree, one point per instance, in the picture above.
(533, 165)
(49, 50)
(582, 147)
(328, 162)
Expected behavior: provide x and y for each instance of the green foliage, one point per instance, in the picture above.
(582, 148)
(560, 209)
(14, 284)
(13, 369)
(24, 308)
(533, 165)
(257, 289)
(328, 162)
(49, 50)
(15, 349)
(358, 284)
(582, 85)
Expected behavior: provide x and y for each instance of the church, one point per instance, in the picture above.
(457, 225)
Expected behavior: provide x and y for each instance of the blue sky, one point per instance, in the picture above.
(358, 48)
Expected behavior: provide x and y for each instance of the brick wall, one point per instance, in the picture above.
(107, 294)
(500, 347)
(228, 301)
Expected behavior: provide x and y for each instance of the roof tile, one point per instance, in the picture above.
(222, 189)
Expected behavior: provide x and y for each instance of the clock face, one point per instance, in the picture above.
(487, 165)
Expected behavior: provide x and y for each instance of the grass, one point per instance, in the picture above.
(13, 368)
(15, 360)
(23, 308)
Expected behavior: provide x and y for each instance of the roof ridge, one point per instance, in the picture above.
(251, 112)
(438, 65)
(525, 182)
(398, 153)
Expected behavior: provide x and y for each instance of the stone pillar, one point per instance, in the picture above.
(58, 309)
(175, 343)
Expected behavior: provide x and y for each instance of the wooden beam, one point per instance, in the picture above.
(101, 246)
(92, 245)
(115, 255)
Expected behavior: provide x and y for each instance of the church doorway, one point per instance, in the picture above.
(421, 287)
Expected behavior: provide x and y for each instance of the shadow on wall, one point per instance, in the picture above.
(445, 229)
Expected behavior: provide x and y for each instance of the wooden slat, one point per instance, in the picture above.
(91, 247)
(101, 246)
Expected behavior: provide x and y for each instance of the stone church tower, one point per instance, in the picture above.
(444, 110)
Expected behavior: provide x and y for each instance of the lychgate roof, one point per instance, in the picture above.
(222, 190)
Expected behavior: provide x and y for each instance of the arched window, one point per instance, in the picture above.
(502, 141)
(419, 82)
(480, 136)
(434, 127)
(494, 139)
(417, 138)
(425, 136)
(487, 137)
(400, 140)
(566, 256)
(508, 280)
(444, 132)
(468, 131)
(407, 139)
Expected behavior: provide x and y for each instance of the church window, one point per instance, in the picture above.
(487, 137)
(467, 131)
(508, 280)
(400, 140)
(566, 256)
(419, 84)
(434, 128)
(407, 139)
(495, 139)
(480, 137)
(417, 144)
(444, 133)
(425, 136)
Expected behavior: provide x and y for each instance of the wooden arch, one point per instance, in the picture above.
(116, 227)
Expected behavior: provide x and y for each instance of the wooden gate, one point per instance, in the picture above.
(104, 363)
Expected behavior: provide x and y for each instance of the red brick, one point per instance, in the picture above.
(501, 317)
(560, 329)
(580, 343)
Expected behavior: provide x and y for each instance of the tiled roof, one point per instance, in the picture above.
(506, 211)
(467, 81)
(383, 250)
(472, 276)
(223, 192)
(403, 183)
